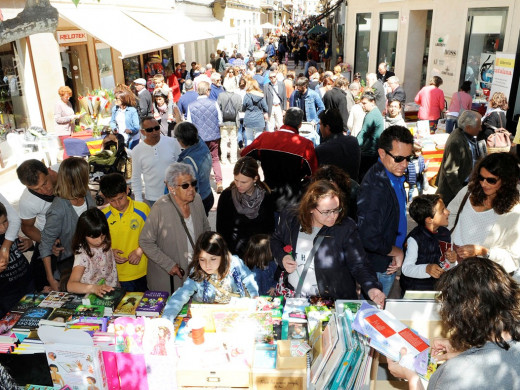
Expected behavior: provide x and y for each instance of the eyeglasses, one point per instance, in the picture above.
(151, 129)
(399, 159)
(490, 180)
(328, 213)
(185, 186)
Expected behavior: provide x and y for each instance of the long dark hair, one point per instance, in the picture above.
(214, 244)
(258, 252)
(91, 223)
(479, 301)
(505, 166)
(248, 167)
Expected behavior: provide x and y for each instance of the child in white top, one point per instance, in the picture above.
(94, 259)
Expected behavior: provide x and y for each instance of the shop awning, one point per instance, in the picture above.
(178, 28)
(115, 28)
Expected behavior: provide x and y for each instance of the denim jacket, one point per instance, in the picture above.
(199, 157)
(239, 277)
(313, 105)
(131, 119)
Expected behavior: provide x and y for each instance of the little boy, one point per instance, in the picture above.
(415, 172)
(126, 219)
(15, 276)
(421, 267)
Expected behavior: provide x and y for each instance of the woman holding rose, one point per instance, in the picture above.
(320, 225)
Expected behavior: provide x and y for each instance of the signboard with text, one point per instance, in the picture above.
(503, 75)
(71, 36)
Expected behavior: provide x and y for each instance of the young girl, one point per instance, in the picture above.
(163, 111)
(215, 276)
(259, 259)
(94, 259)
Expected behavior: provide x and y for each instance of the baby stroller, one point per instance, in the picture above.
(112, 159)
(308, 130)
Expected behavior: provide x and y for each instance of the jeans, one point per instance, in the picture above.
(215, 162)
(137, 285)
(419, 186)
(387, 281)
(450, 125)
(250, 134)
(228, 134)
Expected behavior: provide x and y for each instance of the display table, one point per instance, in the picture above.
(81, 144)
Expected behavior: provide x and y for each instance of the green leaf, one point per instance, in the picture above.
(76, 2)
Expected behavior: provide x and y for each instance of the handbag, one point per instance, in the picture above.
(283, 286)
(500, 140)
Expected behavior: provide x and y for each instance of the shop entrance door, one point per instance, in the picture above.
(74, 60)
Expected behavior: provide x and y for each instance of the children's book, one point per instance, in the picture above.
(89, 311)
(273, 304)
(129, 334)
(316, 315)
(73, 301)
(61, 315)
(294, 310)
(323, 348)
(28, 301)
(73, 359)
(31, 318)
(233, 325)
(128, 305)
(109, 301)
(333, 362)
(159, 337)
(56, 299)
(152, 303)
(8, 321)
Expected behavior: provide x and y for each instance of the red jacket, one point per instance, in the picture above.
(173, 83)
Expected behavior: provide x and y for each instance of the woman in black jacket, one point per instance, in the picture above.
(340, 259)
(245, 208)
(495, 118)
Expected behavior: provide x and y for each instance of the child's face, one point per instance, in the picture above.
(119, 202)
(4, 224)
(209, 263)
(158, 83)
(96, 242)
(159, 100)
(440, 218)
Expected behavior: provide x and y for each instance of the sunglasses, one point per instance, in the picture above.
(399, 159)
(490, 180)
(151, 129)
(185, 186)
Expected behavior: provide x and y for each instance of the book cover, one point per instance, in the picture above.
(152, 303)
(61, 315)
(128, 304)
(273, 304)
(265, 356)
(129, 333)
(159, 337)
(323, 348)
(89, 311)
(294, 310)
(332, 364)
(234, 325)
(73, 301)
(8, 321)
(110, 299)
(316, 315)
(55, 299)
(28, 301)
(31, 318)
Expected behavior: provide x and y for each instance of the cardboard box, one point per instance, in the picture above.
(230, 377)
(284, 360)
(293, 379)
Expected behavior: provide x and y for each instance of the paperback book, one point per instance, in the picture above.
(152, 303)
(28, 301)
(128, 305)
(31, 318)
(109, 301)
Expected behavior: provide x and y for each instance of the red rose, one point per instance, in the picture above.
(288, 249)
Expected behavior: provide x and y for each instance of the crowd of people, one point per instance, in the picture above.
(329, 218)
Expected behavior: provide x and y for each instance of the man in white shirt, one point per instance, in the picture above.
(37, 197)
(150, 160)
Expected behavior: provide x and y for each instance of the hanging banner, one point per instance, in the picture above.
(503, 76)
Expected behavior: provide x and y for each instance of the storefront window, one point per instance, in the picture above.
(132, 69)
(167, 60)
(76, 71)
(387, 38)
(363, 24)
(13, 110)
(106, 69)
(485, 32)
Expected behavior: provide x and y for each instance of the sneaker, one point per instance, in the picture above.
(219, 188)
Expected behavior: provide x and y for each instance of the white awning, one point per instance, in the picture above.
(112, 26)
(212, 26)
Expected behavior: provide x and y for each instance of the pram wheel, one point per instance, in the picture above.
(100, 201)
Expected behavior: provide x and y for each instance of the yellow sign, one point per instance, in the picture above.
(505, 62)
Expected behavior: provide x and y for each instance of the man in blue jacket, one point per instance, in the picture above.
(307, 100)
(382, 205)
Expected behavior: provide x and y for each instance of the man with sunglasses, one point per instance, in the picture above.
(150, 160)
(460, 156)
(382, 205)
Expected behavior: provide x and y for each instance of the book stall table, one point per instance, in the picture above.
(258, 344)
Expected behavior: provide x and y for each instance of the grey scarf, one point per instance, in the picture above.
(248, 205)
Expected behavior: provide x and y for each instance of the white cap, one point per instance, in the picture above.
(140, 81)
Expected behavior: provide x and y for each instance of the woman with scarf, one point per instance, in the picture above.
(166, 112)
(393, 115)
(245, 208)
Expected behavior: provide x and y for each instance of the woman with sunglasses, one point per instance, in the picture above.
(339, 260)
(245, 208)
(175, 222)
(485, 215)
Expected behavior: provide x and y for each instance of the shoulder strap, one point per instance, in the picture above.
(193, 162)
(464, 200)
(183, 223)
(314, 249)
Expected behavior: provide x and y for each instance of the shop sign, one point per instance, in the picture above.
(71, 36)
(444, 56)
(503, 74)
(486, 70)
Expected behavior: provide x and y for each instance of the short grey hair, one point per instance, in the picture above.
(371, 76)
(468, 118)
(203, 88)
(393, 79)
(354, 87)
(175, 170)
(215, 77)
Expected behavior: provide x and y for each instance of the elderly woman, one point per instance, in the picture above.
(72, 198)
(125, 119)
(495, 117)
(196, 153)
(175, 222)
(245, 208)
(64, 113)
(320, 226)
(480, 311)
(485, 215)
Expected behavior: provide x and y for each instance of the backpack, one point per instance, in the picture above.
(229, 112)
